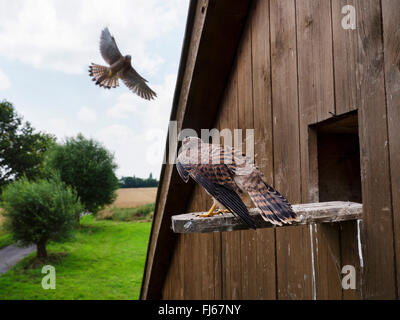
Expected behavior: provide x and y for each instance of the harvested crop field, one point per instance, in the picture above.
(135, 197)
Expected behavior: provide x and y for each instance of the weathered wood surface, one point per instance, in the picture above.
(391, 32)
(377, 236)
(324, 212)
(294, 46)
(263, 137)
(294, 281)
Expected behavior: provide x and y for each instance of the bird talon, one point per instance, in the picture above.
(208, 214)
(213, 213)
(222, 211)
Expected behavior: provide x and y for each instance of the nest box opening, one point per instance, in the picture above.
(336, 159)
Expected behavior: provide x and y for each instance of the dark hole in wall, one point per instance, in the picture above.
(335, 175)
(339, 172)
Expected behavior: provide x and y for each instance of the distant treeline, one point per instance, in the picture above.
(135, 182)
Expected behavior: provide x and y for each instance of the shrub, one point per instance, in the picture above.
(37, 212)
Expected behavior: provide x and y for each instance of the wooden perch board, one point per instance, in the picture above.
(323, 212)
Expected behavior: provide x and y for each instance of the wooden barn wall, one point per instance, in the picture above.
(297, 66)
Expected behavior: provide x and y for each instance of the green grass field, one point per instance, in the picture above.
(105, 260)
(140, 213)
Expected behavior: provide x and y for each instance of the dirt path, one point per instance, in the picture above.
(9, 256)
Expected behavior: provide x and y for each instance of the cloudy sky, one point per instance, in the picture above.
(46, 47)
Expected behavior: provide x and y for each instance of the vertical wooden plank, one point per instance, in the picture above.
(246, 121)
(213, 261)
(312, 183)
(261, 70)
(391, 31)
(223, 123)
(262, 88)
(345, 50)
(188, 267)
(226, 246)
(345, 58)
(173, 289)
(327, 261)
(203, 255)
(316, 102)
(294, 272)
(217, 257)
(315, 61)
(315, 76)
(248, 259)
(169, 280)
(203, 266)
(207, 266)
(179, 278)
(198, 267)
(193, 263)
(225, 266)
(189, 263)
(231, 261)
(206, 252)
(232, 266)
(377, 227)
(217, 237)
(166, 292)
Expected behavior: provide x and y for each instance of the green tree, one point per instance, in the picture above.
(134, 182)
(88, 167)
(37, 212)
(22, 149)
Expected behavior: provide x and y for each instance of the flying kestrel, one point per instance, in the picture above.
(225, 174)
(120, 68)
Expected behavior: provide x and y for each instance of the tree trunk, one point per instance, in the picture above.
(41, 250)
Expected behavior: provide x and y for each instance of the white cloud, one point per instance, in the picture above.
(128, 104)
(155, 113)
(141, 148)
(64, 35)
(58, 127)
(87, 115)
(127, 146)
(4, 81)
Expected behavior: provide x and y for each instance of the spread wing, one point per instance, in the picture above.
(136, 83)
(108, 47)
(274, 207)
(217, 181)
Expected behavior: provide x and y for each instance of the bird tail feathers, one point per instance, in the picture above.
(101, 75)
(273, 206)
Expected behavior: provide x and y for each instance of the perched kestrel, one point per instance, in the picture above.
(120, 68)
(225, 174)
